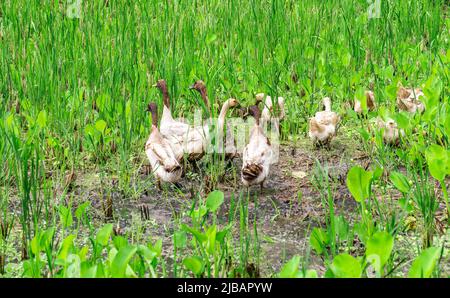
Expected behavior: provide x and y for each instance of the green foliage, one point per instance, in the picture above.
(379, 249)
(358, 182)
(400, 182)
(291, 270)
(120, 259)
(214, 200)
(344, 265)
(438, 160)
(425, 263)
(73, 93)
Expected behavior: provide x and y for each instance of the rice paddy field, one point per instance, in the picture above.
(78, 197)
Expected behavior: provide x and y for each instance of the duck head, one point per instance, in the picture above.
(259, 98)
(391, 124)
(200, 86)
(232, 102)
(255, 112)
(161, 85)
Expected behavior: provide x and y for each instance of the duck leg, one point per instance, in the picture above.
(158, 184)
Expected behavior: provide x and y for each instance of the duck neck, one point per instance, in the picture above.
(223, 113)
(166, 99)
(257, 116)
(154, 119)
(327, 105)
(205, 98)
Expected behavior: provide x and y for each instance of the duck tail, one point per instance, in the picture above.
(251, 171)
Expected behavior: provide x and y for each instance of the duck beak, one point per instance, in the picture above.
(192, 87)
(155, 85)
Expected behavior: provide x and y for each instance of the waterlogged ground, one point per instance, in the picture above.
(285, 212)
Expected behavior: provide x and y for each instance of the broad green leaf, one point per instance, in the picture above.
(290, 269)
(194, 264)
(342, 227)
(220, 236)
(197, 234)
(318, 240)
(100, 125)
(211, 234)
(146, 253)
(214, 200)
(378, 249)
(424, 264)
(180, 239)
(42, 119)
(358, 182)
(310, 273)
(400, 182)
(377, 173)
(65, 215)
(82, 253)
(35, 243)
(210, 38)
(402, 120)
(81, 209)
(438, 160)
(73, 270)
(121, 260)
(346, 59)
(346, 266)
(87, 270)
(156, 248)
(103, 234)
(47, 238)
(66, 245)
(119, 242)
(447, 121)
(89, 130)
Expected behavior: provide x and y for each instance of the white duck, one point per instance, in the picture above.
(408, 100)
(370, 102)
(267, 112)
(257, 155)
(162, 159)
(182, 137)
(323, 127)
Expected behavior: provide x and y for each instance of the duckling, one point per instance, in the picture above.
(182, 137)
(391, 133)
(257, 155)
(323, 127)
(162, 159)
(408, 100)
(370, 102)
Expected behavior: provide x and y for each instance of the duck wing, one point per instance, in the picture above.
(163, 152)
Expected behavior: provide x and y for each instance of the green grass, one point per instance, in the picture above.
(73, 95)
